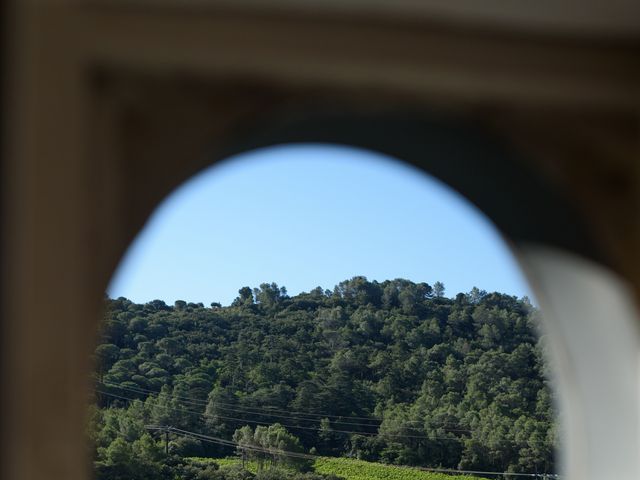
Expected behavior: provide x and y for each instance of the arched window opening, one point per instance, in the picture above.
(326, 310)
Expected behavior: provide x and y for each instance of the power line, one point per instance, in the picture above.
(166, 407)
(231, 443)
(479, 472)
(316, 429)
(240, 409)
(257, 422)
(332, 422)
(271, 409)
(291, 416)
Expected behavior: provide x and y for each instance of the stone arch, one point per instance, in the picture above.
(563, 261)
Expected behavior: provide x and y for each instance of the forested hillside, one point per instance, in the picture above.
(393, 372)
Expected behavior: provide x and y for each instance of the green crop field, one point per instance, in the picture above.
(351, 469)
(360, 470)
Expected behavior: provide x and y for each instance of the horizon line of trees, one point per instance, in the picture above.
(270, 294)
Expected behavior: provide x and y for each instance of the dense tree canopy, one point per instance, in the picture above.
(393, 372)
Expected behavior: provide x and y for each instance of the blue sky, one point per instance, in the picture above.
(311, 215)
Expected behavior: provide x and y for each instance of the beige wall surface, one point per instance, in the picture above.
(601, 18)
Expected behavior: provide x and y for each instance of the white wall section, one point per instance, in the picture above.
(591, 323)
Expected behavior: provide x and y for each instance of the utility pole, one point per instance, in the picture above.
(166, 441)
(162, 428)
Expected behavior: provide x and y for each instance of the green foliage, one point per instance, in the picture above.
(328, 468)
(350, 469)
(123, 460)
(390, 371)
(270, 445)
(232, 469)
